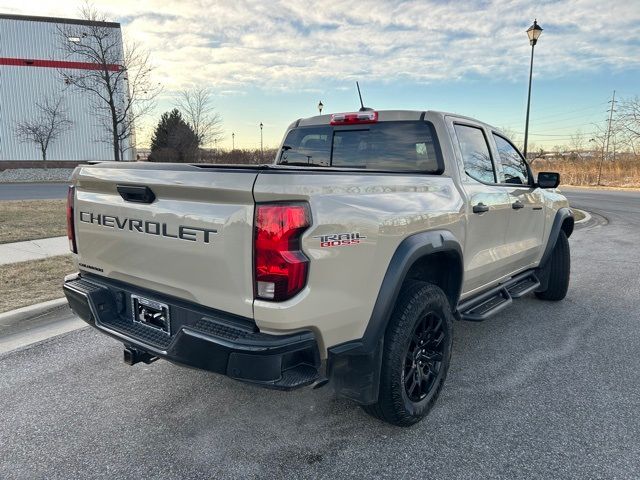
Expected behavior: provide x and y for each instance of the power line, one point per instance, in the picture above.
(567, 112)
(550, 122)
(559, 135)
(562, 128)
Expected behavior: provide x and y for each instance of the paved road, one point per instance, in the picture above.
(32, 191)
(544, 390)
(615, 204)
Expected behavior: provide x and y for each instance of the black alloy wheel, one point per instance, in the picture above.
(423, 360)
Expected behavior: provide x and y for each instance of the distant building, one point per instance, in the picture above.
(32, 65)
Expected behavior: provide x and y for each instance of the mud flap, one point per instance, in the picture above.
(354, 373)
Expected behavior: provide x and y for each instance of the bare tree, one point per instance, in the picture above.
(120, 83)
(512, 135)
(535, 154)
(49, 124)
(599, 139)
(628, 123)
(576, 143)
(196, 106)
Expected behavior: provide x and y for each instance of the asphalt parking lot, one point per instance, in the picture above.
(543, 390)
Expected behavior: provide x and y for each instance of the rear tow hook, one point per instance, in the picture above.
(133, 356)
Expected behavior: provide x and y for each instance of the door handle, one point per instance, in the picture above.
(517, 204)
(480, 208)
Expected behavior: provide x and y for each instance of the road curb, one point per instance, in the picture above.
(587, 216)
(20, 314)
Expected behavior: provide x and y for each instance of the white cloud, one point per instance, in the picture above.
(242, 46)
(279, 44)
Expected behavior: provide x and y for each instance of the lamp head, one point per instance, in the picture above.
(534, 32)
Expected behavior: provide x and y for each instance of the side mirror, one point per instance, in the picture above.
(548, 179)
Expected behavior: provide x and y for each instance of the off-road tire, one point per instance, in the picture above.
(419, 304)
(557, 270)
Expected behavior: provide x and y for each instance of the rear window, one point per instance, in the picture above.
(388, 146)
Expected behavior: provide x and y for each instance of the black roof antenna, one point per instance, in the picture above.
(362, 107)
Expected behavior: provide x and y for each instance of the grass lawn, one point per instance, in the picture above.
(32, 219)
(28, 283)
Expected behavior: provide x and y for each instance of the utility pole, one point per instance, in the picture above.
(606, 154)
(233, 141)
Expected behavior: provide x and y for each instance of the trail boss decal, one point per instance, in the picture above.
(340, 239)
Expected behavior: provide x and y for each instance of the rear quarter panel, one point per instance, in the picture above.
(344, 281)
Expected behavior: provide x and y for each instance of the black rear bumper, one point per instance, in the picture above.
(204, 338)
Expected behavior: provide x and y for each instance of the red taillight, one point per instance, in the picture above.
(280, 266)
(353, 118)
(71, 224)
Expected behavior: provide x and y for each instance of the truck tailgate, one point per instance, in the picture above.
(193, 241)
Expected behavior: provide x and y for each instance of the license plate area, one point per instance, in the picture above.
(151, 313)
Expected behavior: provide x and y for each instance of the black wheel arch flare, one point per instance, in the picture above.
(563, 221)
(354, 367)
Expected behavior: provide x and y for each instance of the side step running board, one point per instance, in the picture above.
(522, 287)
(484, 306)
(498, 298)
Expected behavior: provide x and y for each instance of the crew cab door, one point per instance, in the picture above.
(525, 228)
(488, 207)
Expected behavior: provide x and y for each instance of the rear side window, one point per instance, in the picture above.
(475, 153)
(307, 146)
(387, 146)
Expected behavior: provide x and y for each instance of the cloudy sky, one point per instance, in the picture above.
(271, 61)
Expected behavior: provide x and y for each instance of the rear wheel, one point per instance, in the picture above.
(557, 271)
(417, 351)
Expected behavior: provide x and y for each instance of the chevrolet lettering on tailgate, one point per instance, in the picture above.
(183, 232)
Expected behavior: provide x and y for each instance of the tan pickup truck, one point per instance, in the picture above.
(345, 262)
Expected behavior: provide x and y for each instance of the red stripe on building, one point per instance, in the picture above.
(25, 62)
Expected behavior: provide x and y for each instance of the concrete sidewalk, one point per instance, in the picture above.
(33, 250)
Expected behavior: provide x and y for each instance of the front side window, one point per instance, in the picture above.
(475, 153)
(514, 168)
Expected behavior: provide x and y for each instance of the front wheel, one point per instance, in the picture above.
(416, 356)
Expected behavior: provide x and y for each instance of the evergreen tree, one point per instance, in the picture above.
(173, 139)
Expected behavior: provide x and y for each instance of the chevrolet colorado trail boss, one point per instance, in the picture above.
(345, 261)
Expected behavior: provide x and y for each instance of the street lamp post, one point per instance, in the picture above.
(320, 105)
(533, 32)
(233, 141)
(261, 147)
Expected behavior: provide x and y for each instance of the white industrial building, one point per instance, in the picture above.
(32, 67)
